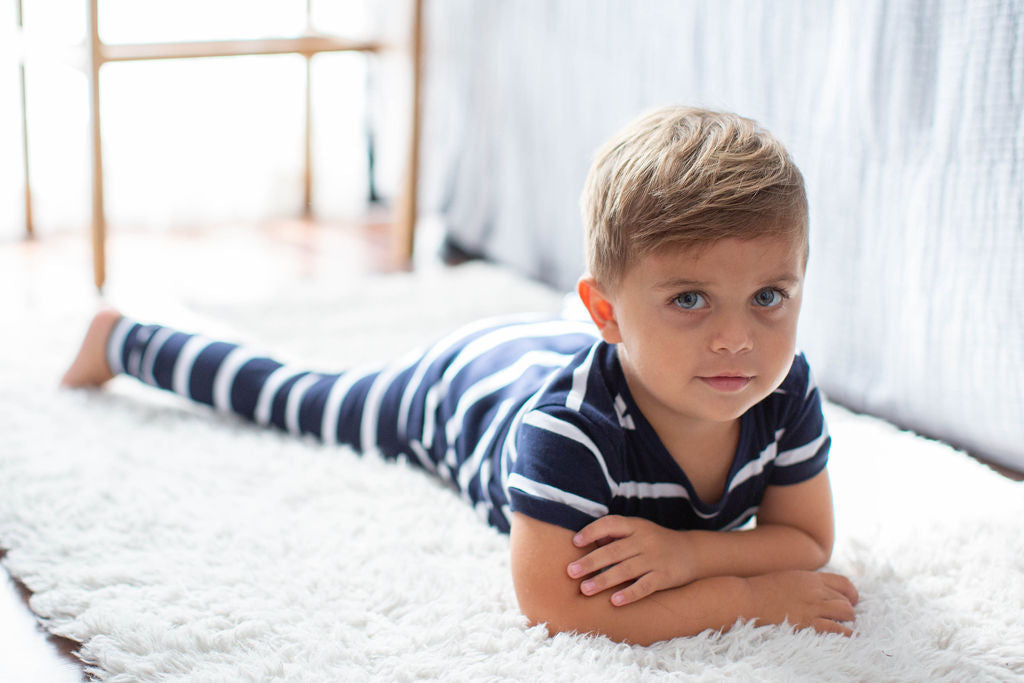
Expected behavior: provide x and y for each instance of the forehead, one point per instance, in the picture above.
(763, 259)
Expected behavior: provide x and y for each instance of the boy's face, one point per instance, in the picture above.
(706, 333)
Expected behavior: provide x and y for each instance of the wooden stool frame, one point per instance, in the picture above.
(307, 45)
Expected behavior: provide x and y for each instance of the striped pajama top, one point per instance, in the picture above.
(526, 414)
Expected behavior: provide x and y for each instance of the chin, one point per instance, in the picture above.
(727, 413)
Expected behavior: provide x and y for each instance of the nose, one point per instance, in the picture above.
(731, 333)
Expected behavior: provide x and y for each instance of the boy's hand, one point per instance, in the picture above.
(805, 599)
(630, 549)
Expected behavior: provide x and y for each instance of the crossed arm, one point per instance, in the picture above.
(658, 583)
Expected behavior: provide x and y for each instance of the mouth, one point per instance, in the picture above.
(727, 383)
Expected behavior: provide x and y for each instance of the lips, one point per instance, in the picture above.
(727, 383)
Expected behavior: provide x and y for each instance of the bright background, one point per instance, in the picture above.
(186, 142)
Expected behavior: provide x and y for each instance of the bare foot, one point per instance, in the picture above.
(90, 368)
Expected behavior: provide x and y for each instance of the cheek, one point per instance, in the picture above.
(653, 355)
(778, 350)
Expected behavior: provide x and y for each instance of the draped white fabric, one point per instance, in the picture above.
(907, 118)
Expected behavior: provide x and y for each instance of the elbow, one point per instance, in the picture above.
(821, 557)
(556, 615)
(821, 551)
(583, 615)
(817, 546)
(548, 611)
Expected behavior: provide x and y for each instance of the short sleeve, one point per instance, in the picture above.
(560, 475)
(804, 441)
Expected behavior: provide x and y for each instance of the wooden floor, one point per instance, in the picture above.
(247, 260)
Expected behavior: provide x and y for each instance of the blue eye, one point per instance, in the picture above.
(690, 301)
(768, 297)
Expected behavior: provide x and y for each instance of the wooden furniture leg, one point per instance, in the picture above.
(405, 220)
(99, 218)
(307, 45)
(29, 225)
(307, 175)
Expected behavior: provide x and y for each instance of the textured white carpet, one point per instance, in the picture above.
(178, 544)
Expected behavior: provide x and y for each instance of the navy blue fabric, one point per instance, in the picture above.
(245, 389)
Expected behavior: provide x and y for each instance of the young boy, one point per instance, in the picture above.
(622, 456)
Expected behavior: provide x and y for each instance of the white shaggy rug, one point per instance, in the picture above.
(176, 544)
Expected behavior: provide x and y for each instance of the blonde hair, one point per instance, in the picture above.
(687, 177)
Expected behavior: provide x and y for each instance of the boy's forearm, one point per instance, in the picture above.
(539, 553)
(794, 531)
(714, 603)
(804, 599)
(765, 549)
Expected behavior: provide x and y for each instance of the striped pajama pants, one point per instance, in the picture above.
(340, 408)
(425, 406)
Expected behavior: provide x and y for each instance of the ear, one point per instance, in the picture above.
(600, 307)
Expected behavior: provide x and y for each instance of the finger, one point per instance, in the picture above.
(638, 590)
(838, 609)
(829, 626)
(629, 570)
(843, 585)
(601, 558)
(596, 530)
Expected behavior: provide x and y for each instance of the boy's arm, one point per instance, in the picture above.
(540, 552)
(794, 531)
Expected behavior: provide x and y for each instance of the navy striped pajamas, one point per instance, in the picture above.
(522, 414)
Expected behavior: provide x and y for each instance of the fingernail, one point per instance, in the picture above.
(587, 586)
(577, 539)
(618, 598)
(574, 569)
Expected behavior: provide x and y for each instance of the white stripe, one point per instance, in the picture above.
(482, 345)
(149, 359)
(644, 489)
(625, 421)
(265, 402)
(812, 383)
(491, 340)
(142, 336)
(472, 463)
(801, 453)
(556, 495)
(754, 467)
(332, 406)
(492, 383)
(371, 406)
(435, 352)
(508, 448)
(410, 390)
(573, 433)
(115, 345)
(649, 490)
(739, 518)
(295, 396)
(421, 455)
(226, 374)
(579, 382)
(485, 481)
(184, 362)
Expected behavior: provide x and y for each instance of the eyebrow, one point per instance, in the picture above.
(682, 283)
